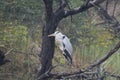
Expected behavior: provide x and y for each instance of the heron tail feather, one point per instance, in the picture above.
(67, 56)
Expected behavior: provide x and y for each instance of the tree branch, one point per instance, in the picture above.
(113, 75)
(82, 8)
(115, 4)
(62, 4)
(60, 13)
(108, 55)
(8, 52)
(106, 6)
(61, 75)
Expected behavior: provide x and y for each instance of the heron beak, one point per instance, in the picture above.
(51, 35)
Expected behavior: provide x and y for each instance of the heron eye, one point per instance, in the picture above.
(63, 37)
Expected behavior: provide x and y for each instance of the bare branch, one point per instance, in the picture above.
(108, 55)
(106, 7)
(62, 5)
(61, 13)
(113, 75)
(61, 75)
(82, 8)
(101, 23)
(8, 52)
(115, 4)
(86, 2)
(67, 2)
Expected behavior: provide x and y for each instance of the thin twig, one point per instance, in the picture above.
(108, 55)
(112, 75)
(8, 52)
(106, 7)
(114, 8)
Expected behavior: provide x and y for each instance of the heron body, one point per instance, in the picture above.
(64, 45)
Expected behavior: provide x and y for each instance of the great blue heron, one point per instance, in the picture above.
(64, 45)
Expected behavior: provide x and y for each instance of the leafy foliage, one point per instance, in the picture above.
(14, 36)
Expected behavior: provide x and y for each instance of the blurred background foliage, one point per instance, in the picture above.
(21, 23)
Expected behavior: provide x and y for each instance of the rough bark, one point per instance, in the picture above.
(48, 44)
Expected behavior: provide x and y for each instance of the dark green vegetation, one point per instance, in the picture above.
(92, 35)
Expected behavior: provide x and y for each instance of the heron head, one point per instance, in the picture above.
(54, 34)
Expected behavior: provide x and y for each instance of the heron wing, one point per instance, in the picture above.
(67, 56)
(67, 45)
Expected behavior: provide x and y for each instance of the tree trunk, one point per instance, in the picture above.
(48, 44)
(47, 51)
